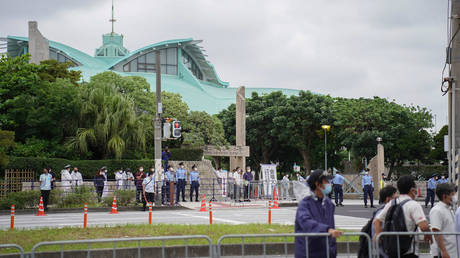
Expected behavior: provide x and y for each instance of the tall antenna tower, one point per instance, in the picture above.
(113, 20)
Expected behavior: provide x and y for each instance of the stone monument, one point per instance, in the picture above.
(38, 45)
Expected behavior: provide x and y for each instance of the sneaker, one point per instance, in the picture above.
(341, 204)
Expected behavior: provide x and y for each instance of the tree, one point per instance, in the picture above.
(437, 153)
(108, 123)
(201, 129)
(299, 122)
(6, 142)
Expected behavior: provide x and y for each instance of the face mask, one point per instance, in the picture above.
(366, 173)
(327, 189)
(141, 169)
(454, 200)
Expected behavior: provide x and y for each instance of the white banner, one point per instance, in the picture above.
(268, 175)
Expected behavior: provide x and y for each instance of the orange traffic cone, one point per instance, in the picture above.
(419, 194)
(114, 206)
(275, 200)
(203, 204)
(41, 209)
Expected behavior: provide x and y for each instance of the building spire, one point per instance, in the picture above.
(113, 19)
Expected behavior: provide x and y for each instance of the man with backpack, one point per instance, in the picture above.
(386, 194)
(442, 220)
(402, 214)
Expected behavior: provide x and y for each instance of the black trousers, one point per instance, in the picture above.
(180, 188)
(368, 191)
(194, 187)
(246, 192)
(149, 197)
(165, 192)
(429, 197)
(99, 190)
(338, 194)
(46, 197)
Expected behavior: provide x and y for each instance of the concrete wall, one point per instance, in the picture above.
(38, 45)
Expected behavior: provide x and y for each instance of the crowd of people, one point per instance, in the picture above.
(396, 213)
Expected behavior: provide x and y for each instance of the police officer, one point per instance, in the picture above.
(368, 188)
(194, 183)
(181, 180)
(338, 181)
(443, 180)
(165, 189)
(430, 190)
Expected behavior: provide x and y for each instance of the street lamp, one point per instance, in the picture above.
(325, 128)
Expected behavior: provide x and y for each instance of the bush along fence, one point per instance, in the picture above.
(88, 168)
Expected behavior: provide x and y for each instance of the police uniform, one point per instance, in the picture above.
(194, 184)
(368, 189)
(165, 188)
(338, 181)
(181, 179)
(430, 190)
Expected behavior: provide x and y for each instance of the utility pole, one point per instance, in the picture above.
(158, 122)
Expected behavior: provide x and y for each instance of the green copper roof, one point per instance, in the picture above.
(211, 96)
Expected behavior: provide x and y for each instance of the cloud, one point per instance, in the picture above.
(355, 48)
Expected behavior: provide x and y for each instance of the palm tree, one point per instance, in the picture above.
(108, 122)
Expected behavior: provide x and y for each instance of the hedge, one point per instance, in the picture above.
(88, 168)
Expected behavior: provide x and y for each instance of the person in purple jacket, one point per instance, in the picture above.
(315, 214)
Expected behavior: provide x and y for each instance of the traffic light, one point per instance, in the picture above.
(166, 130)
(177, 129)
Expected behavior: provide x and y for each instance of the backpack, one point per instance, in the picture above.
(363, 251)
(395, 222)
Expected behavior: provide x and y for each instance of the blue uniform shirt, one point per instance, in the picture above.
(169, 176)
(338, 179)
(181, 173)
(194, 176)
(442, 181)
(367, 180)
(432, 183)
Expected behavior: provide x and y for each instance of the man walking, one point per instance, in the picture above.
(45, 186)
(194, 183)
(368, 188)
(430, 189)
(148, 189)
(338, 181)
(181, 180)
(315, 214)
(442, 220)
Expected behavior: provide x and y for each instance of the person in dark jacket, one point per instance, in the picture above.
(315, 214)
(165, 156)
(99, 183)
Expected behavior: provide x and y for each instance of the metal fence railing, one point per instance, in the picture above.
(286, 244)
(162, 239)
(396, 238)
(13, 246)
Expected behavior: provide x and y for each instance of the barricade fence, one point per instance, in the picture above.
(228, 245)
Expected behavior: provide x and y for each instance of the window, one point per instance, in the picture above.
(145, 63)
(60, 57)
(191, 65)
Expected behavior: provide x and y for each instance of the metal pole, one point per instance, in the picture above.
(454, 75)
(325, 149)
(159, 110)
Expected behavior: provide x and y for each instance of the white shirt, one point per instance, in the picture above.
(238, 178)
(285, 181)
(457, 227)
(442, 218)
(149, 183)
(413, 215)
(66, 178)
(119, 177)
(77, 179)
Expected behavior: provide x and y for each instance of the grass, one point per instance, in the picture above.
(28, 238)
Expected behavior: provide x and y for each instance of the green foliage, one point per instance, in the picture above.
(200, 129)
(6, 142)
(76, 198)
(34, 147)
(437, 153)
(50, 70)
(124, 198)
(21, 200)
(88, 168)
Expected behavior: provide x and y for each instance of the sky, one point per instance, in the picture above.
(356, 48)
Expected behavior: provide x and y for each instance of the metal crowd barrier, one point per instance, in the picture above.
(118, 240)
(415, 234)
(19, 248)
(285, 242)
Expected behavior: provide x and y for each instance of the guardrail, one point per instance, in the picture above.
(19, 248)
(285, 242)
(118, 240)
(377, 244)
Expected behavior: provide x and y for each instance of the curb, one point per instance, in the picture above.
(29, 211)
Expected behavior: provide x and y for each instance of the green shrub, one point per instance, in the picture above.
(76, 198)
(21, 200)
(88, 168)
(124, 198)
